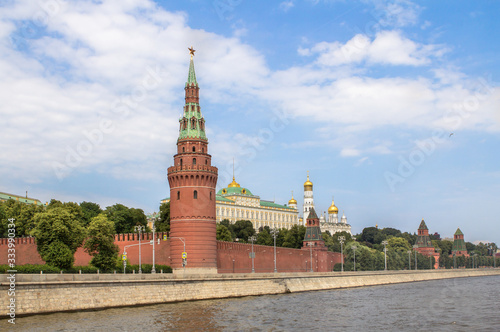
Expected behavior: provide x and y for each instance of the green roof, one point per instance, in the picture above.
(234, 190)
(422, 225)
(312, 214)
(222, 199)
(22, 199)
(191, 75)
(274, 205)
(459, 232)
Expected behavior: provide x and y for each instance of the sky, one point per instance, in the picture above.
(392, 106)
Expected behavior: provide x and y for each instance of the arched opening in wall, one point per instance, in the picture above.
(183, 149)
(194, 149)
(206, 162)
(195, 194)
(194, 161)
(178, 195)
(181, 162)
(210, 195)
(202, 150)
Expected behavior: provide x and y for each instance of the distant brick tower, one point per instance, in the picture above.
(424, 244)
(313, 232)
(459, 248)
(192, 182)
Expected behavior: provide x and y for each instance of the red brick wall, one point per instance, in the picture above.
(287, 260)
(235, 257)
(26, 250)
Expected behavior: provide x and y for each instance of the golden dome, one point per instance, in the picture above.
(333, 209)
(292, 201)
(308, 185)
(233, 184)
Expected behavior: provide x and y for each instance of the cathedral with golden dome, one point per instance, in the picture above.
(332, 224)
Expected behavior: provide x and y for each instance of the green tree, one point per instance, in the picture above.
(295, 237)
(399, 244)
(23, 215)
(223, 234)
(163, 224)
(58, 235)
(90, 210)
(243, 229)
(264, 236)
(125, 219)
(100, 243)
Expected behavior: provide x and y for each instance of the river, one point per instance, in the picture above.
(462, 304)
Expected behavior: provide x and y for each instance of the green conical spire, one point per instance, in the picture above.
(191, 76)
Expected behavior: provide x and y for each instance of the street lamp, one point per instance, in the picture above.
(476, 259)
(341, 240)
(310, 245)
(184, 243)
(409, 259)
(415, 248)
(493, 254)
(385, 254)
(354, 250)
(139, 229)
(274, 233)
(153, 270)
(252, 239)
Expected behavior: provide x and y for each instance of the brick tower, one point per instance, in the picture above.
(313, 232)
(192, 182)
(424, 244)
(459, 248)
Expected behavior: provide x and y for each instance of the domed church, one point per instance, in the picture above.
(332, 224)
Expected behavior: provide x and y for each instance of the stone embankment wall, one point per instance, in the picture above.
(53, 293)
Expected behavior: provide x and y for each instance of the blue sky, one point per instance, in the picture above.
(363, 94)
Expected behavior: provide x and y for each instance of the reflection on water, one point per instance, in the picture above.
(463, 304)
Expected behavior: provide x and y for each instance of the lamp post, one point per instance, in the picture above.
(153, 270)
(341, 240)
(455, 261)
(354, 250)
(409, 259)
(184, 262)
(274, 233)
(385, 254)
(476, 260)
(252, 239)
(415, 248)
(139, 229)
(310, 245)
(493, 254)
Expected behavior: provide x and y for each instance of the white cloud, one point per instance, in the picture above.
(349, 152)
(93, 54)
(388, 48)
(286, 5)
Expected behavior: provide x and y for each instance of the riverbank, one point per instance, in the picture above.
(35, 294)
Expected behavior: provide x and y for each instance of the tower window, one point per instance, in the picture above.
(178, 195)
(202, 150)
(195, 194)
(181, 162)
(194, 149)
(206, 162)
(194, 161)
(210, 195)
(183, 149)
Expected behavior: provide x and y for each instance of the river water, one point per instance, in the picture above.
(463, 304)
